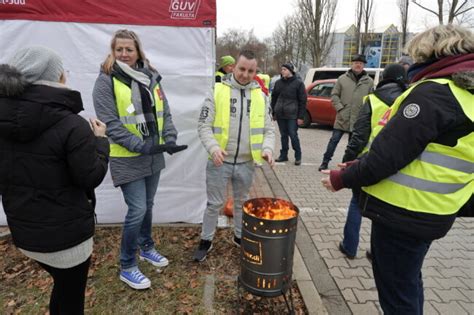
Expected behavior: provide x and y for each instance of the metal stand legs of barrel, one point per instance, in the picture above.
(288, 300)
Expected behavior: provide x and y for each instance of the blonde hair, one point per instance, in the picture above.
(441, 41)
(108, 64)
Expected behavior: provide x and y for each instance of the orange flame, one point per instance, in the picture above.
(270, 209)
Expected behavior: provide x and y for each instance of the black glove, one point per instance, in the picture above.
(173, 148)
(150, 147)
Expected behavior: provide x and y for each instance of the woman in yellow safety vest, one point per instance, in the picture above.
(418, 174)
(129, 98)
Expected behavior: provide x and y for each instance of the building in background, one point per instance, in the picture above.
(383, 46)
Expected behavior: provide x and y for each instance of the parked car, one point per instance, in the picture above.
(324, 73)
(319, 108)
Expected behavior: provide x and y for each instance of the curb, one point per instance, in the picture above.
(305, 279)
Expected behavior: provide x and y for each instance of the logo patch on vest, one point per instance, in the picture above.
(384, 119)
(411, 110)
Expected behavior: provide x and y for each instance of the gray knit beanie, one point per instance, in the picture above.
(38, 63)
(405, 60)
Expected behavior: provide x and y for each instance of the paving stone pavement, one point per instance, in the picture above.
(347, 286)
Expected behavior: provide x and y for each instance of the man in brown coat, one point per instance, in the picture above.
(346, 97)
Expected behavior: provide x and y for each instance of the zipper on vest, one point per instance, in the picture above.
(242, 94)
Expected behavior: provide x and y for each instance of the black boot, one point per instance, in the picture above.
(323, 166)
(283, 156)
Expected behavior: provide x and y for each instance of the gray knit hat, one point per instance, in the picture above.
(38, 63)
(405, 60)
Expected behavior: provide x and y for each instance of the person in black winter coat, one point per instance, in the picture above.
(392, 85)
(50, 162)
(418, 174)
(289, 106)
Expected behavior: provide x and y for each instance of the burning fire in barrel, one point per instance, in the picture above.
(267, 246)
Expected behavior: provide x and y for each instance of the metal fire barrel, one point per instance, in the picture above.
(267, 248)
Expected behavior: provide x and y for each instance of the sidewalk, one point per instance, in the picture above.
(347, 286)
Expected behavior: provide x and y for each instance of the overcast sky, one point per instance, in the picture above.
(265, 15)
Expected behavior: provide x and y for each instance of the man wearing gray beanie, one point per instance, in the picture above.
(38, 63)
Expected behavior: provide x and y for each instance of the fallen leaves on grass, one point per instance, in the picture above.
(178, 288)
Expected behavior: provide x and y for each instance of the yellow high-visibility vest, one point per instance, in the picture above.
(441, 180)
(123, 100)
(378, 109)
(221, 123)
(220, 74)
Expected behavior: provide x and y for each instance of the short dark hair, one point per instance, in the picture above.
(249, 54)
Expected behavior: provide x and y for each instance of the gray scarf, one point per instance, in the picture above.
(137, 77)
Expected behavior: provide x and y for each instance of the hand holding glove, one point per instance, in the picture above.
(150, 147)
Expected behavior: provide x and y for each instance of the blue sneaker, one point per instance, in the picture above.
(154, 258)
(135, 279)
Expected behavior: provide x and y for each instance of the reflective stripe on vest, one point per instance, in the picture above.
(222, 94)
(441, 180)
(123, 97)
(378, 108)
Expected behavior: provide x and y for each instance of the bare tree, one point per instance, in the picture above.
(403, 6)
(231, 42)
(454, 9)
(366, 16)
(234, 40)
(358, 24)
(302, 49)
(459, 10)
(284, 42)
(317, 18)
(466, 19)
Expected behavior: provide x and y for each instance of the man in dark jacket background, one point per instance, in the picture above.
(288, 107)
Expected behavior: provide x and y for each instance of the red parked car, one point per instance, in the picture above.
(319, 108)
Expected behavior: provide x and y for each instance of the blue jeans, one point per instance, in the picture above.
(350, 242)
(289, 128)
(136, 232)
(332, 144)
(396, 262)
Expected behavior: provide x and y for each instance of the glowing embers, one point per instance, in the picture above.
(270, 209)
(266, 283)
